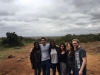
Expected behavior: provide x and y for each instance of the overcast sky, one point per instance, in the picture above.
(49, 17)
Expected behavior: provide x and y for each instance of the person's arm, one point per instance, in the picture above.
(72, 66)
(32, 59)
(31, 50)
(83, 65)
(84, 59)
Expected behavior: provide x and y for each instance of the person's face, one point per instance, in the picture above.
(52, 44)
(68, 47)
(62, 47)
(43, 41)
(37, 45)
(75, 44)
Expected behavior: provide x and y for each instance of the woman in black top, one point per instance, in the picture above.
(63, 59)
(70, 59)
(54, 58)
(35, 58)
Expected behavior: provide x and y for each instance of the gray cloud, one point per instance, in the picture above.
(95, 16)
(81, 30)
(85, 6)
(6, 1)
(81, 23)
(2, 24)
(6, 13)
(49, 17)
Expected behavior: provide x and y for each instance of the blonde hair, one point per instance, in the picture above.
(76, 40)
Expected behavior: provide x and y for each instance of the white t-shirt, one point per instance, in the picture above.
(54, 56)
(45, 52)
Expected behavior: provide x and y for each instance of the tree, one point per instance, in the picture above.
(11, 40)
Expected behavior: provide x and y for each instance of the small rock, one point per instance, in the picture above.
(18, 60)
(11, 56)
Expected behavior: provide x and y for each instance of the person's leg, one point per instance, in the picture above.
(76, 71)
(43, 67)
(47, 64)
(68, 70)
(58, 68)
(39, 68)
(35, 70)
(63, 68)
(84, 72)
(54, 69)
(73, 71)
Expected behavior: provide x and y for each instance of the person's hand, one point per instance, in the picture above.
(71, 72)
(80, 72)
(30, 50)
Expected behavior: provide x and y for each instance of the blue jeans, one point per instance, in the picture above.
(46, 67)
(77, 72)
(54, 66)
(69, 71)
(37, 70)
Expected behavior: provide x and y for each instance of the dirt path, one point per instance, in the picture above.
(20, 65)
(93, 64)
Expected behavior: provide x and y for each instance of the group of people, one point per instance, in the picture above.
(68, 59)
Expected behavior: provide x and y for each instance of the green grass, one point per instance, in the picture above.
(17, 47)
(2, 56)
(4, 52)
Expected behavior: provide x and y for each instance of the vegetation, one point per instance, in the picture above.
(83, 38)
(13, 40)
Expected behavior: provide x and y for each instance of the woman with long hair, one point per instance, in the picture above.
(63, 59)
(70, 59)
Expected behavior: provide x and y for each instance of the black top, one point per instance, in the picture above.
(35, 57)
(70, 60)
(79, 54)
(63, 57)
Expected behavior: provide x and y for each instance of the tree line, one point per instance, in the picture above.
(12, 39)
(82, 37)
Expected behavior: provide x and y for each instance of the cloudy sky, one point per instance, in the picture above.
(49, 17)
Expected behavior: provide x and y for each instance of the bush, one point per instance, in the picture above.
(11, 40)
(83, 38)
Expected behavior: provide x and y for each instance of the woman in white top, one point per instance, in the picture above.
(54, 57)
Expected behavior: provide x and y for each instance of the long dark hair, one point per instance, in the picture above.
(64, 47)
(72, 47)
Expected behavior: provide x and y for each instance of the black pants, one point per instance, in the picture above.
(37, 69)
(54, 67)
(77, 71)
(69, 71)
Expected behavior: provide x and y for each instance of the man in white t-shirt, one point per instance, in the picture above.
(45, 56)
